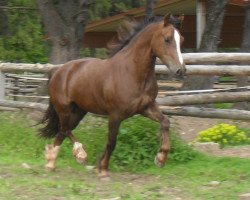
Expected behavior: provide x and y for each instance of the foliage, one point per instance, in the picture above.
(224, 105)
(180, 151)
(104, 8)
(224, 134)
(22, 41)
(138, 143)
(94, 52)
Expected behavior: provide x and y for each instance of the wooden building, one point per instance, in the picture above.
(98, 33)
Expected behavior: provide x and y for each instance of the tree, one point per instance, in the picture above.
(99, 9)
(3, 19)
(21, 38)
(209, 43)
(64, 22)
(245, 47)
(149, 9)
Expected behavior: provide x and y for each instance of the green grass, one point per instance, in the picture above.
(187, 180)
(195, 176)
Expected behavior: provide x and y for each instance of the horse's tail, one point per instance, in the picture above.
(50, 119)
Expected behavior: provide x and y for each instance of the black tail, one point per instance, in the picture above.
(51, 123)
(50, 119)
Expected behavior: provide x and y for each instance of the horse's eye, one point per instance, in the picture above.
(167, 40)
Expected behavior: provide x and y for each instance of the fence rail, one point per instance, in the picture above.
(220, 70)
(206, 58)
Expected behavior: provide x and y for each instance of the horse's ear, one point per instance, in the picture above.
(166, 19)
(181, 18)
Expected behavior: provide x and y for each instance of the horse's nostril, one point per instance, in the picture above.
(179, 72)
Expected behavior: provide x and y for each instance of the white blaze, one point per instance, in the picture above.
(177, 38)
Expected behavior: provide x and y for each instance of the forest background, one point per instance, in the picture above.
(22, 35)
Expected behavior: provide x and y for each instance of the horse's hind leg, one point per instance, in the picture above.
(154, 113)
(51, 152)
(78, 151)
(69, 118)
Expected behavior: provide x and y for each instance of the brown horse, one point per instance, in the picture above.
(121, 86)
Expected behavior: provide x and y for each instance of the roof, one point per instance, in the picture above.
(186, 7)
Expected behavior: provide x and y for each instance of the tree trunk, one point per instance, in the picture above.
(149, 9)
(3, 19)
(209, 43)
(245, 47)
(64, 23)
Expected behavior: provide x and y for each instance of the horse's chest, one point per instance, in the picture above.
(143, 100)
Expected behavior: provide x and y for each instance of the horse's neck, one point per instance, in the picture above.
(139, 53)
(140, 49)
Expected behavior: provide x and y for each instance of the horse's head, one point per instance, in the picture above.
(166, 44)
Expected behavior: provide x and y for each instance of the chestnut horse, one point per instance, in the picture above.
(120, 86)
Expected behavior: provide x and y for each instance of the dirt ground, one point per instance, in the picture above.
(189, 127)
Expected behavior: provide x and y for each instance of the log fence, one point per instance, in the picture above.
(27, 77)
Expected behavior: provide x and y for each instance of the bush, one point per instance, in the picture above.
(224, 134)
(138, 143)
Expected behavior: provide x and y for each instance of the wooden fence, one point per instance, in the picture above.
(227, 64)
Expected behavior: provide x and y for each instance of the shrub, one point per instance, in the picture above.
(224, 134)
(138, 143)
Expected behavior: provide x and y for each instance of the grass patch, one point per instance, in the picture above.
(195, 177)
(187, 180)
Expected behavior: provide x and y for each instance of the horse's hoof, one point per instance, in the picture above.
(50, 167)
(79, 153)
(160, 159)
(82, 160)
(104, 176)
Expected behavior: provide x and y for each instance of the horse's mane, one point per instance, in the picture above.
(130, 28)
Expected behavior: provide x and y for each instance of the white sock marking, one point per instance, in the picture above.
(178, 45)
(77, 145)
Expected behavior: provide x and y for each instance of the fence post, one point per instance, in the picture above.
(2, 86)
(200, 21)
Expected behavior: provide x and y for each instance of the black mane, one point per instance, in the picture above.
(131, 28)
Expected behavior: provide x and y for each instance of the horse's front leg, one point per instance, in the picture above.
(153, 112)
(114, 124)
